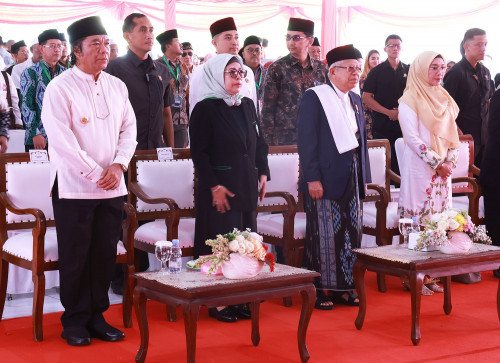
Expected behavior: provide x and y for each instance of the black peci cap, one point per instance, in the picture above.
(301, 25)
(48, 34)
(166, 36)
(222, 25)
(85, 27)
(341, 53)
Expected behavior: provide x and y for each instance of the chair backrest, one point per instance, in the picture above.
(173, 179)
(379, 153)
(285, 172)
(465, 161)
(27, 185)
(399, 146)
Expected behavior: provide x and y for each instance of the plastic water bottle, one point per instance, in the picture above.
(415, 226)
(175, 262)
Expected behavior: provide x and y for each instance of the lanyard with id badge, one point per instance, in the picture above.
(177, 96)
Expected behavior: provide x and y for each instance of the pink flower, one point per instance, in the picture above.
(428, 191)
(422, 147)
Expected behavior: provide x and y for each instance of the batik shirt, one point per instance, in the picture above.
(34, 81)
(286, 82)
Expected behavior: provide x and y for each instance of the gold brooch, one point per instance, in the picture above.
(84, 120)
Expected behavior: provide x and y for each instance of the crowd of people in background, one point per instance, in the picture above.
(228, 108)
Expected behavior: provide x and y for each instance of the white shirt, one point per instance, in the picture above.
(345, 100)
(13, 96)
(18, 69)
(247, 89)
(90, 125)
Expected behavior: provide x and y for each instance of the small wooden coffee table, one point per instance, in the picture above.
(397, 260)
(191, 289)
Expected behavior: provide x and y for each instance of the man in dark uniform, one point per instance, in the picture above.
(286, 81)
(149, 93)
(251, 54)
(469, 83)
(20, 53)
(147, 84)
(179, 80)
(383, 88)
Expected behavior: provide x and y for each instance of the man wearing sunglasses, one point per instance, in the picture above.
(286, 81)
(178, 78)
(225, 39)
(187, 57)
(252, 57)
(383, 88)
(34, 81)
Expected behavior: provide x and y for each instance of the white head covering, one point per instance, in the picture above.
(212, 82)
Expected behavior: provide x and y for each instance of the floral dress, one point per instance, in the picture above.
(367, 110)
(423, 192)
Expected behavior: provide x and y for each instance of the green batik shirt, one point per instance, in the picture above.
(34, 81)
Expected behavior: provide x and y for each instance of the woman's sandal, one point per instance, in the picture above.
(339, 298)
(425, 290)
(323, 302)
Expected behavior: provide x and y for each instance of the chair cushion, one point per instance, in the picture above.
(21, 245)
(172, 178)
(284, 170)
(377, 167)
(462, 202)
(272, 225)
(462, 168)
(370, 215)
(157, 231)
(28, 186)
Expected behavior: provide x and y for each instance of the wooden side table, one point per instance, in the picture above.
(397, 260)
(191, 290)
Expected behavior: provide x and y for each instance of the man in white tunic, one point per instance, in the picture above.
(92, 125)
(225, 40)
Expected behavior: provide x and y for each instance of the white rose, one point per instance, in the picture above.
(240, 239)
(261, 254)
(443, 224)
(453, 224)
(436, 217)
(233, 246)
(242, 248)
(249, 247)
(451, 213)
(256, 236)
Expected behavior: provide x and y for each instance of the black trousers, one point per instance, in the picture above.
(180, 136)
(88, 231)
(492, 213)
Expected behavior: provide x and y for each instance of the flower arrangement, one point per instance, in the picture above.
(436, 231)
(245, 243)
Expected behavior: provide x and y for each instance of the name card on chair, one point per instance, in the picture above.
(39, 156)
(164, 153)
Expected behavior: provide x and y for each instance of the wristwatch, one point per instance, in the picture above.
(124, 167)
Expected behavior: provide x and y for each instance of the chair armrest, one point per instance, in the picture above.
(394, 177)
(135, 189)
(38, 231)
(129, 225)
(474, 170)
(472, 196)
(291, 205)
(383, 194)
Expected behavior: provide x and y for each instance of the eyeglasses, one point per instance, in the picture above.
(295, 38)
(23, 52)
(438, 68)
(397, 46)
(187, 53)
(54, 46)
(242, 73)
(253, 50)
(350, 69)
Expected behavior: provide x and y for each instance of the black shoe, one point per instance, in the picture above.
(76, 337)
(241, 311)
(225, 315)
(117, 289)
(106, 332)
(496, 273)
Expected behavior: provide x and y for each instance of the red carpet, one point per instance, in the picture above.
(470, 334)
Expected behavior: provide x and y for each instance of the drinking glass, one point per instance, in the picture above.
(163, 250)
(405, 228)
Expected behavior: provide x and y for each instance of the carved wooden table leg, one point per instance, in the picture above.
(255, 310)
(447, 294)
(416, 283)
(308, 300)
(287, 301)
(359, 270)
(142, 320)
(191, 312)
(171, 313)
(381, 282)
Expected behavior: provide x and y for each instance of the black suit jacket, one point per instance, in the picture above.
(490, 171)
(223, 154)
(318, 153)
